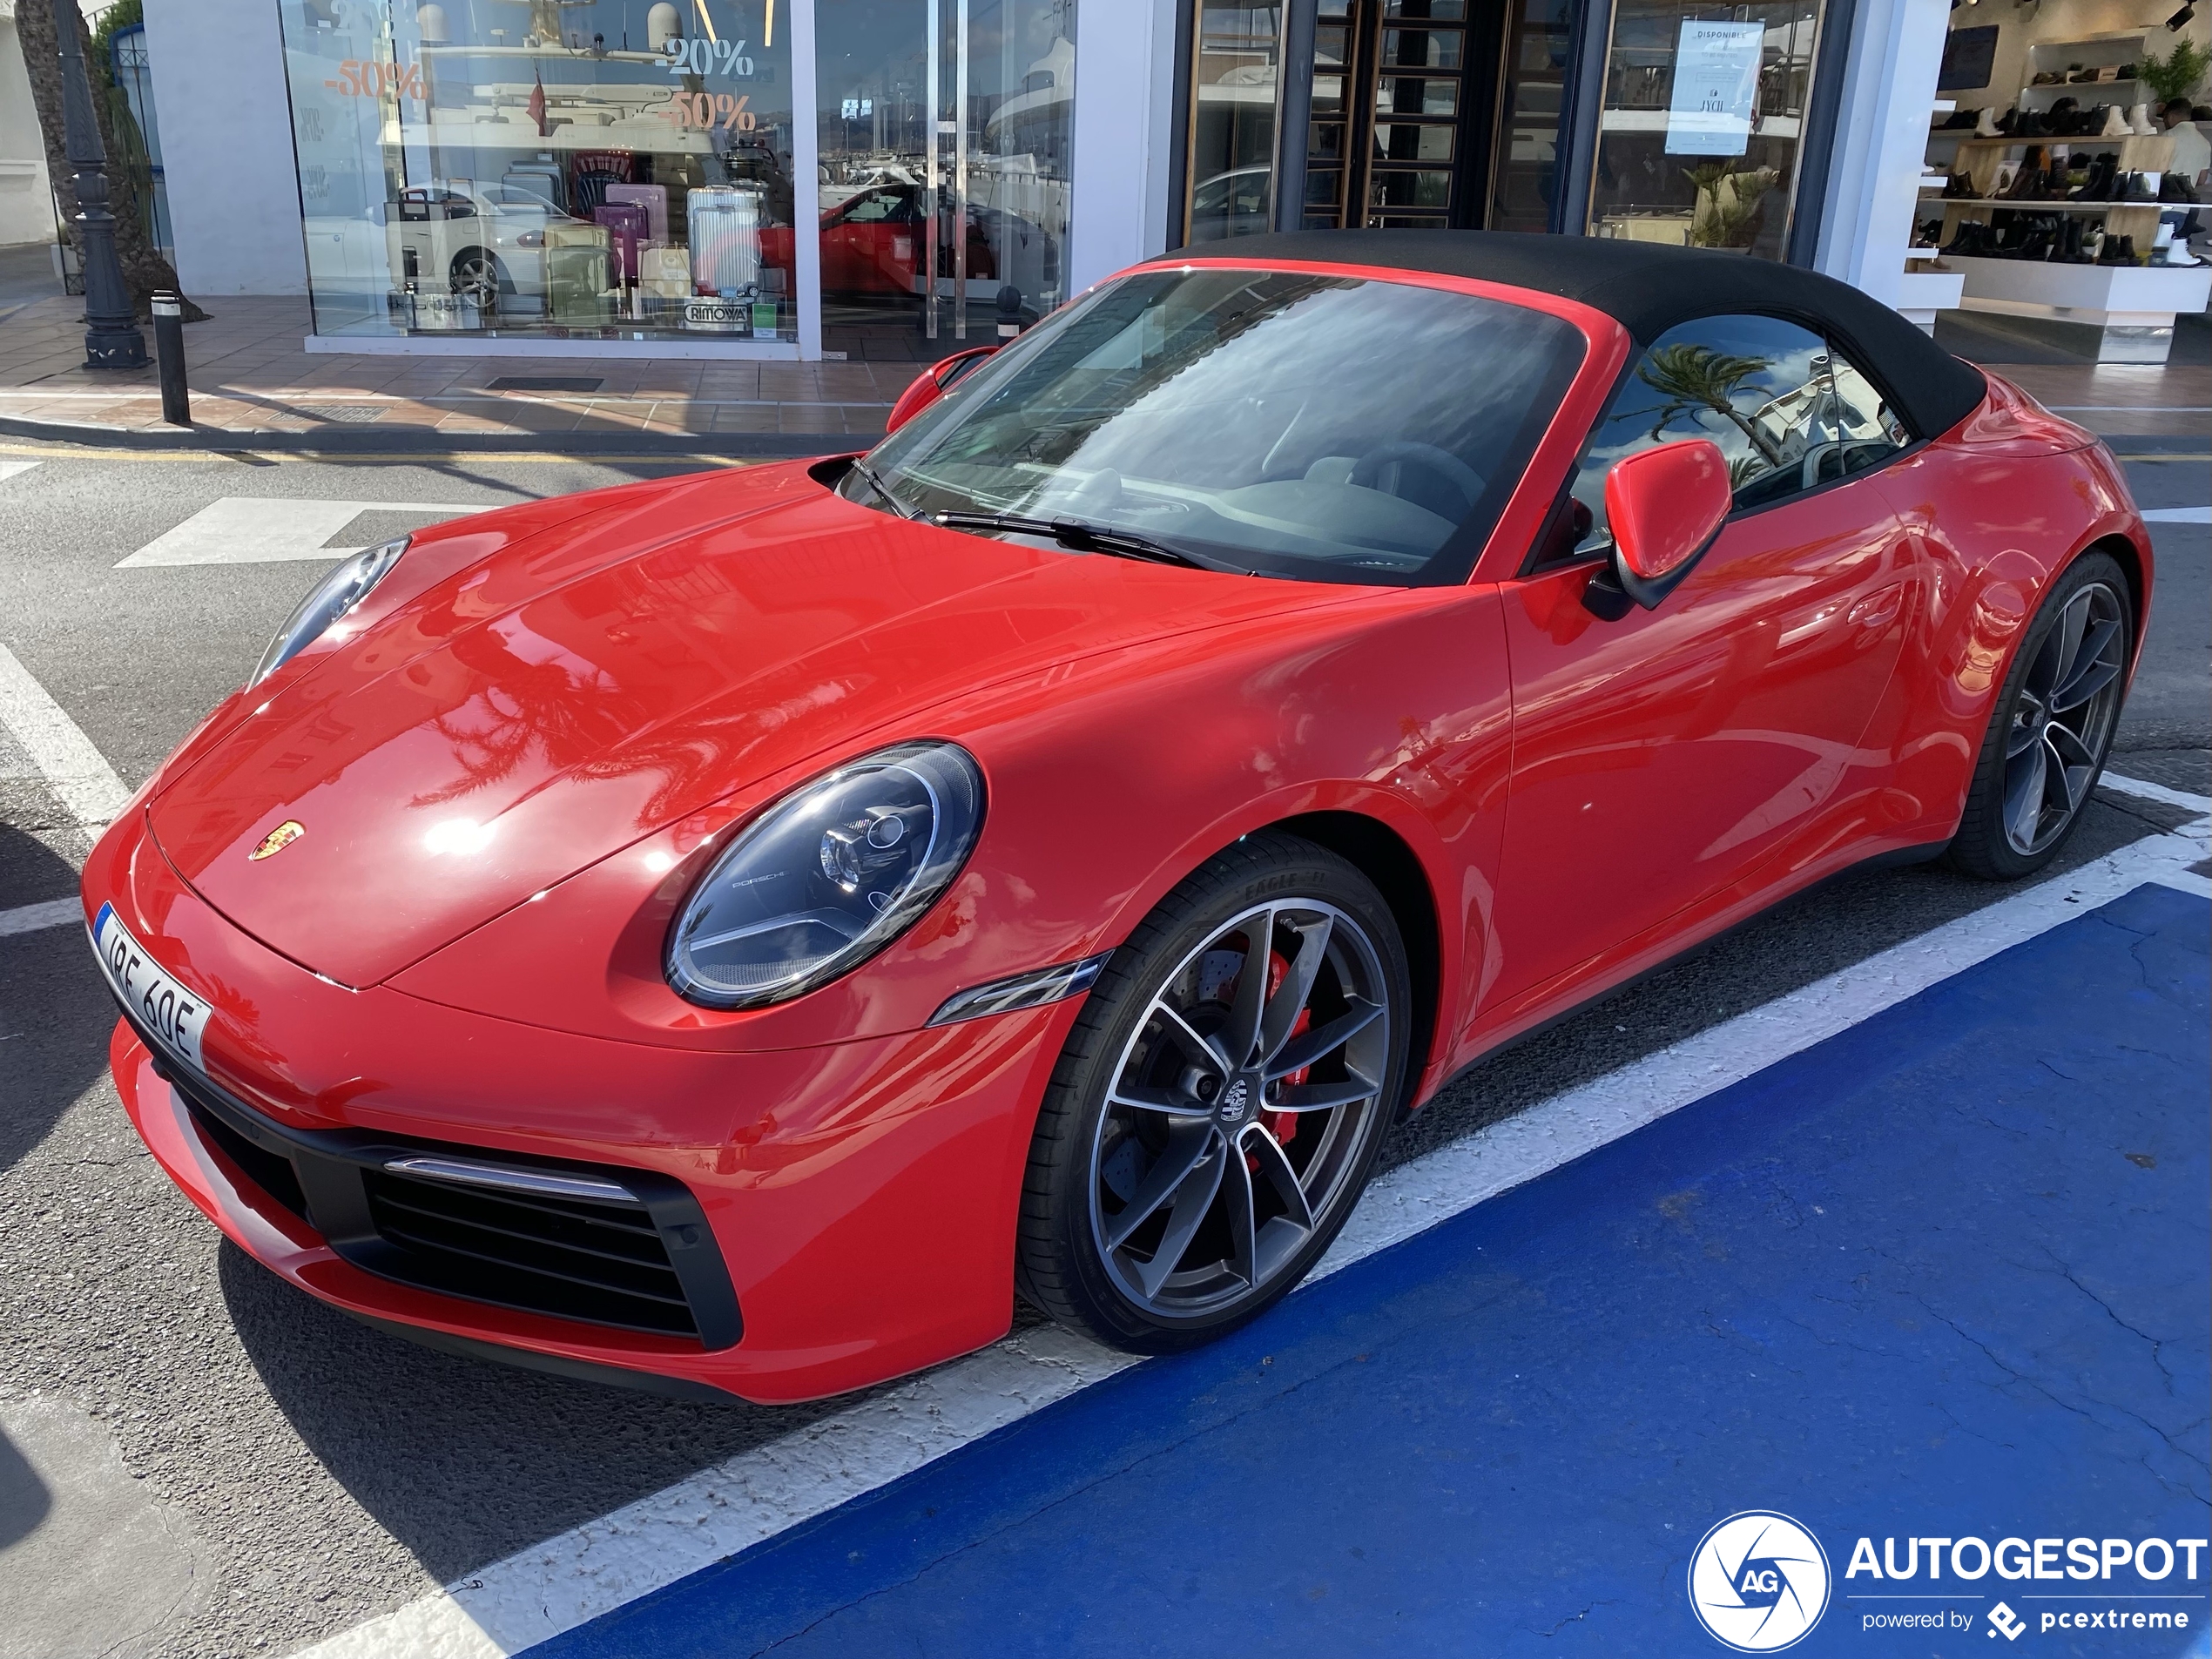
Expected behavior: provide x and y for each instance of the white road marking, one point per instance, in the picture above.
(2177, 515)
(2146, 790)
(32, 918)
(9, 468)
(78, 772)
(239, 530)
(568, 1581)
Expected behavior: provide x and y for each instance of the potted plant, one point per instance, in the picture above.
(1726, 214)
(2176, 75)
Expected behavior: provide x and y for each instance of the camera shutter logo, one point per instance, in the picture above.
(1759, 1582)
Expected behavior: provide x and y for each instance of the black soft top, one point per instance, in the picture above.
(1650, 287)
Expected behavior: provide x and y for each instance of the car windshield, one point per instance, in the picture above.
(1316, 427)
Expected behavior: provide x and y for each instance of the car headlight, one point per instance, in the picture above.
(827, 877)
(331, 598)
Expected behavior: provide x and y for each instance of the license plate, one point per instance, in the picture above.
(164, 1008)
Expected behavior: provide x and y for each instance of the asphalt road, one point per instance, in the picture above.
(264, 1470)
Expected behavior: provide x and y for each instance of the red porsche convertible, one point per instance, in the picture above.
(737, 932)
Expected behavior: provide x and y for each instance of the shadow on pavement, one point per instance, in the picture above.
(461, 1460)
(55, 1011)
(24, 1500)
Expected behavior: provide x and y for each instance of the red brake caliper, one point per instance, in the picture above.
(1283, 1125)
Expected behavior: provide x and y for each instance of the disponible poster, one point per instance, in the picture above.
(1717, 79)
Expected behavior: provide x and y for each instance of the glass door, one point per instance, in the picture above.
(1399, 129)
(944, 154)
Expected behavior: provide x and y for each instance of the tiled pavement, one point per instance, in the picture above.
(249, 373)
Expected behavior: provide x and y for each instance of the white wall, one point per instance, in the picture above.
(26, 198)
(1881, 142)
(226, 145)
(1125, 53)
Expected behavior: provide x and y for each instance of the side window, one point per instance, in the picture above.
(1757, 387)
(1870, 431)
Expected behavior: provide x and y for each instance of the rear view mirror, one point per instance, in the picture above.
(1664, 506)
(932, 384)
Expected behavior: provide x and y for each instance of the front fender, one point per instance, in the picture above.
(1110, 780)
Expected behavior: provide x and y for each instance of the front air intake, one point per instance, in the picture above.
(597, 1259)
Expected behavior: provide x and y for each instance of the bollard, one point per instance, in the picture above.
(169, 351)
(1009, 312)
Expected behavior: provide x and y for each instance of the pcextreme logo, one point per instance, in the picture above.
(1759, 1582)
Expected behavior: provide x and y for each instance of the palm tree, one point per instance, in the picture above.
(144, 271)
(1693, 376)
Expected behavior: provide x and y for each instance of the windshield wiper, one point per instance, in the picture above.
(1074, 534)
(867, 477)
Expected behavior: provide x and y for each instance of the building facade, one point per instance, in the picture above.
(799, 178)
(26, 194)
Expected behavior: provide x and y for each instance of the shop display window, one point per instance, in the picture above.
(580, 169)
(1703, 124)
(944, 132)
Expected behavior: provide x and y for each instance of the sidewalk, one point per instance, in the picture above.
(251, 378)
(253, 383)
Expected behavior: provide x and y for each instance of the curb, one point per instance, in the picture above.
(338, 438)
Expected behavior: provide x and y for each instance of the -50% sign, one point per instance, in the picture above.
(368, 78)
(711, 110)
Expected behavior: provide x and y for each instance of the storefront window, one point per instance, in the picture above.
(933, 114)
(1534, 88)
(1703, 124)
(1232, 116)
(592, 169)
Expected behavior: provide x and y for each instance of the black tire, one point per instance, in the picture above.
(2040, 715)
(1085, 1253)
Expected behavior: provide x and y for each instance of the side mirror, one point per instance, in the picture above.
(1664, 506)
(932, 384)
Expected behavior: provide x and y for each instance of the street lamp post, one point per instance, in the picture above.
(112, 336)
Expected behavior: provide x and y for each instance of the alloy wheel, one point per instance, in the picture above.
(1239, 1109)
(475, 277)
(2063, 717)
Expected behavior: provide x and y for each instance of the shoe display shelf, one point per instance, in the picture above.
(1983, 159)
(2118, 313)
(2092, 53)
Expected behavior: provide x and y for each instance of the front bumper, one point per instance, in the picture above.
(858, 1200)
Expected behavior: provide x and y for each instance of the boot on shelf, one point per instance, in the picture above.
(2139, 118)
(1985, 123)
(1959, 188)
(2115, 123)
(2069, 249)
(2139, 190)
(1971, 241)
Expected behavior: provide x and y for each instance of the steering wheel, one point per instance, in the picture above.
(1427, 476)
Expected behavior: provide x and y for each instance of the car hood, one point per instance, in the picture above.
(528, 713)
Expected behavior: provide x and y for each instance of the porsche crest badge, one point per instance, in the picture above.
(277, 840)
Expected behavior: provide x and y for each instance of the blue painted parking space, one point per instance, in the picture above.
(1944, 1275)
